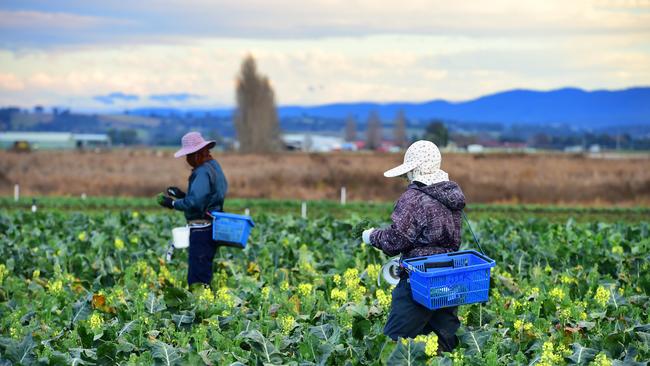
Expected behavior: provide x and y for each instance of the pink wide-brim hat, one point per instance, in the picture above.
(191, 143)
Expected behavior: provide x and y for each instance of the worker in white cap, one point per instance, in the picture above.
(426, 221)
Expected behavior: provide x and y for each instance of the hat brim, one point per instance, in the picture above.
(193, 149)
(400, 170)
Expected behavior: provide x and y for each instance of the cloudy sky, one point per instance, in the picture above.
(115, 54)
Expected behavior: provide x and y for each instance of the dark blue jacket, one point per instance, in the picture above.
(206, 191)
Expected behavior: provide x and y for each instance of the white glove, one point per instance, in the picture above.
(366, 235)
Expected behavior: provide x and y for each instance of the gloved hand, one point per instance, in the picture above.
(175, 192)
(165, 201)
(366, 235)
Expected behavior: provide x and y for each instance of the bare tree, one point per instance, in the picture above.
(256, 119)
(399, 134)
(350, 129)
(373, 132)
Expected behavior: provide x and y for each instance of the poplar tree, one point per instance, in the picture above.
(256, 118)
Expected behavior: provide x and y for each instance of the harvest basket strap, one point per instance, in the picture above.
(472, 231)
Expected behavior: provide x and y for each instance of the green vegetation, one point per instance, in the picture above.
(377, 210)
(82, 289)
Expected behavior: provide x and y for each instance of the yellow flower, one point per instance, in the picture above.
(549, 356)
(55, 287)
(548, 269)
(351, 277)
(266, 291)
(358, 293)
(95, 321)
(165, 276)
(373, 271)
(13, 333)
(602, 296)
(583, 316)
(523, 326)
(224, 297)
(617, 249)
(457, 357)
(534, 292)
(135, 214)
(565, 314)
(430, 344)
(134, 240)
(82, 236)
(557, 294)
(383, 299)
(36, 273)
(119, 244)
(286, 323)
(564, 350)
(304, 289)
(253, 268)
(206, 295)
(284, 286)
(337, 280)
(602, 360)
(339, 295)
(566, 279)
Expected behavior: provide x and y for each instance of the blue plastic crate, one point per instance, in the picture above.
(230, 229)
(451, 279)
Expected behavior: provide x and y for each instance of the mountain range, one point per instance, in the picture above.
(568, 106)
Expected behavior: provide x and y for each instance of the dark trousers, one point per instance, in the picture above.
(408, 319)
(201, 255)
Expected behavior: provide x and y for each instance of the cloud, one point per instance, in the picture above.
(174, 97)
(111, 98)
(29, 22)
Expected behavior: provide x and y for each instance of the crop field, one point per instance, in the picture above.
(93, 287)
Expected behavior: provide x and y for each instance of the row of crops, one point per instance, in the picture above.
(95, 289)
(320, 208)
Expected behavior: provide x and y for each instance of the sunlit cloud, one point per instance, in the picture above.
(172, 51)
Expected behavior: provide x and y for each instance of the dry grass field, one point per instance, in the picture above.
(538, 178)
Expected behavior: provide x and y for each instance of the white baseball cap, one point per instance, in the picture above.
(419, 153)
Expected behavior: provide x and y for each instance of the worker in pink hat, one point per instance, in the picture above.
(205, 193)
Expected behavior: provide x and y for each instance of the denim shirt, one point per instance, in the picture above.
(206, 191)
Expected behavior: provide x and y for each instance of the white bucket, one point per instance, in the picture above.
(181, 237)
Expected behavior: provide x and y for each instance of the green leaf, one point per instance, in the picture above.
(106, 353)
(80, 311)
(407, 353)
(85, 336)
(21, 353)
(175, 297)
(326, 332)
(582, 355)
(184, 317)
(360, 327)
(165, 354)
(475, 341)
(153, 304)
(126, 328)
(261, 346)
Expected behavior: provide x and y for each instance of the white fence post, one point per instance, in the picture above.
(83, 196)
(343, 195)
(16, 192)
(304, 210)
(247, 212)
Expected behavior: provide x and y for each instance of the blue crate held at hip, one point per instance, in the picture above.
(451, 279)
(230, 229)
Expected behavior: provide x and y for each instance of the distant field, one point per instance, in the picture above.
(485, 178)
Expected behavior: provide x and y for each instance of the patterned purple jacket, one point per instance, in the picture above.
(423, 223)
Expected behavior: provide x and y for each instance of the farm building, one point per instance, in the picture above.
(313, 143)
(52, 140)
